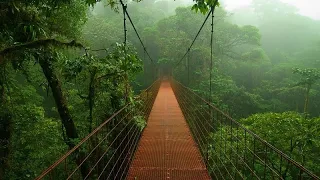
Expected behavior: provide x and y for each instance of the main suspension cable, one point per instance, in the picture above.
(144, 48)
(194, 39)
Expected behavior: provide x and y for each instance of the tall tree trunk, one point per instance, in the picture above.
(60, 101)
(5, 131)
(306, 102)
(63, 110)
(91, 98)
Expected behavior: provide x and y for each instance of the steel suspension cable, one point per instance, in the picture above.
(116, 151)
(211, 46)
(211, 53)
(203, 126)
(136, 137)
(195, 38)
(248, 155)
(124, 8)
(92, 168)
(188, 61)
(144, 48)
(123, 151)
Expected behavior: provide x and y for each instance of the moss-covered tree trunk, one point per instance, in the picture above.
(63, 110)
(60, 100)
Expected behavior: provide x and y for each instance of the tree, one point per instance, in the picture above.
(26, 29)
(106, 74)
(289, 132)
(309, 78)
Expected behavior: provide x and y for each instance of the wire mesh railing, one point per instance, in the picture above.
(229, 150)
(106, 152)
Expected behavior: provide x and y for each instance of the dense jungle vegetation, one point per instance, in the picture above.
(64, 69)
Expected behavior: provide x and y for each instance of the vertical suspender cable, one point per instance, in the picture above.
(134, 28)
(211, 65)
(195, 38)
(210, 80)
(188, 59)
(211, 46)
(211, 55)
(124, 8)
(145, 69)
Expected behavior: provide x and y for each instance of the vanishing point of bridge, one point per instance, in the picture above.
(166, 149)
(172, 133)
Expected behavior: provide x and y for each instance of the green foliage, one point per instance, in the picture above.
(204, 5)
(140, 122)
(30, 123)
(34, 124)
(252, 72)
(256, 55)
(310, 76)
(289, 132)
(119, 60)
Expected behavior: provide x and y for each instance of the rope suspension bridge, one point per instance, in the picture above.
(170, 132)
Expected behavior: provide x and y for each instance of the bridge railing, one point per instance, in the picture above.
(230, 150)
(107, 151)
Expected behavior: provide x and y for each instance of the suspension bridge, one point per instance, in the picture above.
(170, 132)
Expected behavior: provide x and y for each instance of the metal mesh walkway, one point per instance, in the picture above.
(166, 149)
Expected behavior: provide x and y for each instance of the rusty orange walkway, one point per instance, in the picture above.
(166, 149)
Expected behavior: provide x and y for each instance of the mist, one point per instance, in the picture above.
(68, 66)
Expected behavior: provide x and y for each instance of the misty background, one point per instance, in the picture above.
(265, 73)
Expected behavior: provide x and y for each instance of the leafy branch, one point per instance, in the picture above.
(37, 44)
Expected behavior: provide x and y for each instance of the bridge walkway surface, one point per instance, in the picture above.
(166, 149)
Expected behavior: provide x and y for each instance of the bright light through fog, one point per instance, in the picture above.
(306, 7)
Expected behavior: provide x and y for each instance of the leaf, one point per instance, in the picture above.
(195, 7)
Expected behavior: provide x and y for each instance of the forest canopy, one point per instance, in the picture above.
(65, 68)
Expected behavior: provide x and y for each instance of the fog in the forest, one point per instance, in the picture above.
(66, 67)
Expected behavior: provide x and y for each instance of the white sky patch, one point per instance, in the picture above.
(309, 8)
(235, 4)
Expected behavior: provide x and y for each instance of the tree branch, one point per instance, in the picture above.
(231, 54)
(110, 74)
(82, 96)
(36, 44)
(95, 50)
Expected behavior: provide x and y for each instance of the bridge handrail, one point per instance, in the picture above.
(152, 85)
(80, 143)
(298, 165)
(75, 148)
